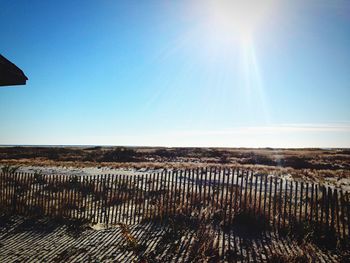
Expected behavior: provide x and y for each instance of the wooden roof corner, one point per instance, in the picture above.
(10, 74)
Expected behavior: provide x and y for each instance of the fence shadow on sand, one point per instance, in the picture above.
(184, 214)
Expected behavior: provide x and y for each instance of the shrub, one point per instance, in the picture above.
(248, 222)
(8, 169)
(119, 155)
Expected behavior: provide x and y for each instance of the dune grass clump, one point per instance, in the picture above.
(278, 257)
(9, 169)
(247, 222)
(321, 235)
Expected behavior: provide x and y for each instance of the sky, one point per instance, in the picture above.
(200, 73)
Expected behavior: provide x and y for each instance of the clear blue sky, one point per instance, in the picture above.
(178, 73)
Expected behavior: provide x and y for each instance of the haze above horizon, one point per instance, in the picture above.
(196, 73)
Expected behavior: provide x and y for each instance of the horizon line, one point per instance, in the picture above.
(151, 146)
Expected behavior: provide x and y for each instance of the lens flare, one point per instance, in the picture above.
(227, 21)
(225, 25)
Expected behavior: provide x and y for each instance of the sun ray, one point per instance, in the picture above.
(223, 26)
(253, 81)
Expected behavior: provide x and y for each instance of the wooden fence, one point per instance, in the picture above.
(220, 194)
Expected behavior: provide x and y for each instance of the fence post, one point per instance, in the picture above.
(103, 207)
(120, 206)
(285, 202)
(52, 197)
(306, 201)
(168, 193)
(296, 201)
(97, 197)
(246, 190)
(200, 187)
(232, 171)
(280, 202)
(342, 205)
(177, 192)
(312, 203)
(260, 191)
(241, 190)
(332, 203)
(138, 199)
(226, 204)
(227, 176)
(1, 190)
(108, 199)
(270, 201)
(236, 171)
(250, 176)
(265, 194)
(186, 189)
(180, 191)
(75, 205)
(205, 198)
(21, 183)
(219, 185)
(275, 202)
(255, 191)
(58, 195)
(213, 203)
(336, 199)
(301, 201)
(131, 199)
(316, 203)
(328, 195)
(222, 183)
(14, 194)
(37, 191)
(85, 194)
(322, 203)
(20, 204)
(173, 193)
(348, 210)
(290, 203)
(143, 195)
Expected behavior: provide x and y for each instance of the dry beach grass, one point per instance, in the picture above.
(195, 235)
(318, 165)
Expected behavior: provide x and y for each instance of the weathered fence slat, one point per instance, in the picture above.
(342, 213)
(285, 202)
(270, 197)
(275, 201)
(312, 203)
(316, 204)
(301, 201)
(265, 194)
(306, 201)
(348, 210)
(296, 201)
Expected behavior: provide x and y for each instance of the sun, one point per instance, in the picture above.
(228, 21)
(225, 35)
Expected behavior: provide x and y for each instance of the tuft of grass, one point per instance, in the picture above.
(76, 226)
(322, 235)
(203, 248)
(132, 244)
(8, 169)
(246, 222)
(278, 257)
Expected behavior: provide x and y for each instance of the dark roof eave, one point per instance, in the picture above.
(10, 74)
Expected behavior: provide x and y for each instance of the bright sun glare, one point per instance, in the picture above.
(226, 21)
(224, 26)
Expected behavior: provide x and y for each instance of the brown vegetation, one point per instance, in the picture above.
(208, 203)
(317, 159)
(316, 165)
